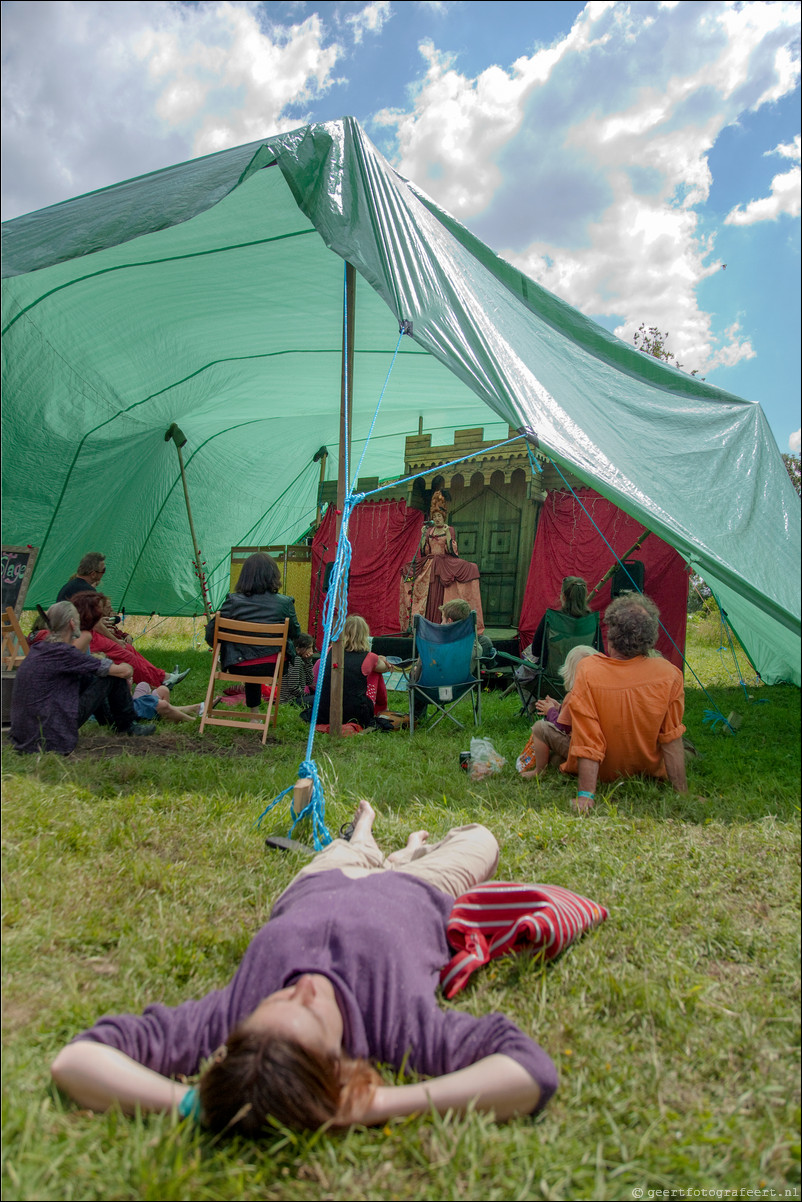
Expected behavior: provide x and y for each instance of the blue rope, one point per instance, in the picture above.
(335, 611)
(533, 463)
(713, 717)
(726, 627)
(314, 809)
(401, 333)
(715, 710)
(433, 470)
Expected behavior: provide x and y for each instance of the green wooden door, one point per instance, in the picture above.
(488, 533)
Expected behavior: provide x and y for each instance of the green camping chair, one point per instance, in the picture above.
(561, 634)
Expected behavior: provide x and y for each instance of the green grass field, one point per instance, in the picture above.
(132, 878)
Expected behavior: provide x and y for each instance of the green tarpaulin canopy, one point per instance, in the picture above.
(208, 295)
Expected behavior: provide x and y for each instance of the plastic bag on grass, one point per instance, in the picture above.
(485, 760)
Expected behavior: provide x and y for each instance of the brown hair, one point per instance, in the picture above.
(574, 597)
(455, 611)
(260, 574)
(633, 623)
(261, 1076)
(93, 561)
(90, 608)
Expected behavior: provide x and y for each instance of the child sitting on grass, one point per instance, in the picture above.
(551, 736)
(151, 703)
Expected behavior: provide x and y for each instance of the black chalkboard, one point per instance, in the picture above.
(18, 565)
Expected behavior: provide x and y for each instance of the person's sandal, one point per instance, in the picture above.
(346, 831)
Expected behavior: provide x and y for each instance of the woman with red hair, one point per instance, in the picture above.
(95, 610)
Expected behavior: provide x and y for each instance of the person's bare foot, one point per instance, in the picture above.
(533, 772)
(364, 817)
(415, 840)
(582, 805)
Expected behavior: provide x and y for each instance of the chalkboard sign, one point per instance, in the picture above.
(18, 565)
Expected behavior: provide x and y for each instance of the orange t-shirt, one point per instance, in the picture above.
(622, 710)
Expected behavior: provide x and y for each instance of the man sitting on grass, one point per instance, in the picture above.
(59, 685)
(626, 706)
(88, 575)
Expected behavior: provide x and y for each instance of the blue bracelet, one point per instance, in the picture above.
(189, 1107)
(583, 793)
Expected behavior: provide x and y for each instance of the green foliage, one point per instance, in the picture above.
(652, 341)
(792, 466)
(136, 877)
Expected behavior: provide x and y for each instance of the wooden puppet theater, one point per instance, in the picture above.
(520, 535)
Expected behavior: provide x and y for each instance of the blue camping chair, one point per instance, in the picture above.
(445, 675)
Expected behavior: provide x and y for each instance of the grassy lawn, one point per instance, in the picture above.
(134, 875)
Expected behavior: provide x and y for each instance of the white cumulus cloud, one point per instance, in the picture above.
(585, 162)
(786, 192)
(795, 442)
(371, 19)
(158, 83)
(233, 79)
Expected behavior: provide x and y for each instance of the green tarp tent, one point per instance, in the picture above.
(208, 295)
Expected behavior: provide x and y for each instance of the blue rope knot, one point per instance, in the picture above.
(714, 717)
(315, 807)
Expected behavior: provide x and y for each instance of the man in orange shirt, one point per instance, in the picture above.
(626, 707)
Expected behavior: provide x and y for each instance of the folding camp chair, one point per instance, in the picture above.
(15, 644)
(560, 635)
(272, 637)
(519, 671)
(445, 674)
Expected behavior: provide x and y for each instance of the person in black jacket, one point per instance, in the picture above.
(256, 599)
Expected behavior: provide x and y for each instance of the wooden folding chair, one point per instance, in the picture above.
(269, 636)
(15, 644)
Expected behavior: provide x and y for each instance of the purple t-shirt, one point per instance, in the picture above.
(47, 694)
(381, 941)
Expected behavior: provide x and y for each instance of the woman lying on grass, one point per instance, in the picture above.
(345, 969)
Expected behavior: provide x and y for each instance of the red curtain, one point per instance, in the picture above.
(567, 543)
(384, 536)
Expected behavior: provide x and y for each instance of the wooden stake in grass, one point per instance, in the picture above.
(301, 795)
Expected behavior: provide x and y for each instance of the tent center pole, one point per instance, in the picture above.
(198, 563)
(346, 412)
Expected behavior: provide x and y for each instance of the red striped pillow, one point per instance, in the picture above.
(500, 917)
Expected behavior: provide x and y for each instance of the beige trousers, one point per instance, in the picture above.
(466, 856)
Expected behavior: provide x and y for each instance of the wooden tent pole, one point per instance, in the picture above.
(320, 458)
(346, 412)
(179, 438)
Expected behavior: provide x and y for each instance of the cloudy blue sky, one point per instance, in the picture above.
(641, 160)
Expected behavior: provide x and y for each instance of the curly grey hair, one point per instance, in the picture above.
(633, 623)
